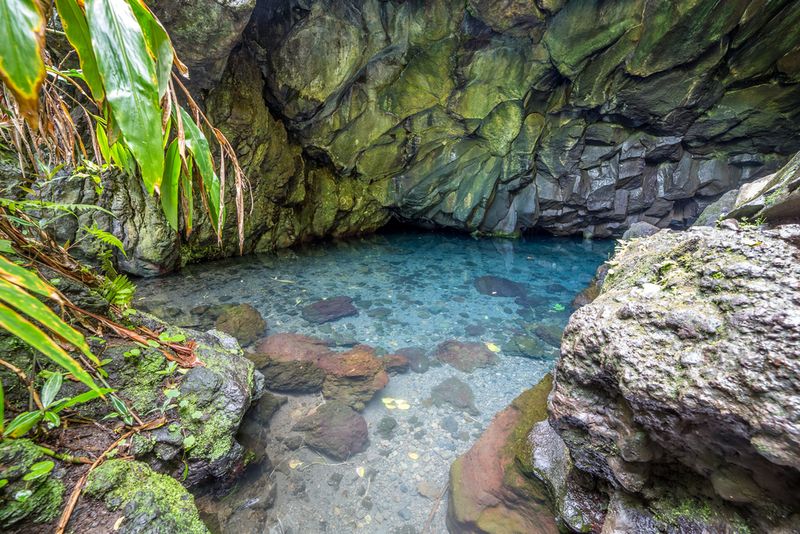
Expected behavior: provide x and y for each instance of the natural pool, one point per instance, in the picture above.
(411, 290)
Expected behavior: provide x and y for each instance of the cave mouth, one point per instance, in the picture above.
(478, 320)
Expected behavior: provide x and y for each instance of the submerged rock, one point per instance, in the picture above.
(417, 358)
(672, 382)
(395, 364)
(465, 356)
(289, 362)
(353, 377)
(331, 309)
(456, 393)
(243, 322)
(500, 287)
(335, 429)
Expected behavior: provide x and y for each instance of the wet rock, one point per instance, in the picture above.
(591, 291)
(243, 322)
(335, 429)
(46, 493)
(450, 425)
(550, 333)
(474, 330)
(695, 432)
(456, 393)
(353, 377)
(417, 358)
(331, 309)
(527, 347)
(640, 229)
(148, 500)
(386, 427)
(395, 364)
(465, 356)
(489, 489)
(500, 287)
(289, 362)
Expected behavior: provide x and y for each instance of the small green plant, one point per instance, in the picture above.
(558, 307)
(50, 408)
(749, 224)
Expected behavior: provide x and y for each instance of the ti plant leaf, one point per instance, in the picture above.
(73, 19)
(51, 389)
(21, 44)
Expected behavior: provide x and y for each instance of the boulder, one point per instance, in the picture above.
(417, 358)
(465, 356)
(334, 429)
(640, 229)
(331, 309)
(243, 322)
(490, 491)
(353, 377)
(672, 382)
(395, 364)
(290, 362)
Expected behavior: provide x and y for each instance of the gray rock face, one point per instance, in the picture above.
(680, 383)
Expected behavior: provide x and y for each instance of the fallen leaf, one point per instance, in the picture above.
(492, 347)
(294, 464)
(413, 455)
(360, 471)
(403, 405)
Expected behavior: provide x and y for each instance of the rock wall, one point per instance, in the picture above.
(571, 116)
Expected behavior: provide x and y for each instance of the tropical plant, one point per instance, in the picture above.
(49, 409)
(125, 94)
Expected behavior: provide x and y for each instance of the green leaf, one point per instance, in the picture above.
(122, 409)
(189, 442)
(105, 237)
(129, 76)
(39, 470)
(22, 424)
(51, 389)
(197, 144)
(5, 247)
(52, 418)
(26, 279)
(21, 44)
(169, 185)
(76, 29)
(33, 336)
(2, 409)
(158, 43)
(63, 404)
(3, 482)
(35, 309)
(187, 190)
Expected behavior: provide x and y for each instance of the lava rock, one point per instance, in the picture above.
(395, 364)
(417, 358)
(465, 356)
(335, 429)
(290, 362)
(331, 309)
(353, 377)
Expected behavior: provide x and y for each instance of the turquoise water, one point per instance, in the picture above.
(410, 289)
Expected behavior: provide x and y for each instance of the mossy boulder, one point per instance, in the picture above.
(146, 501)
(38, 500)
(243, 322)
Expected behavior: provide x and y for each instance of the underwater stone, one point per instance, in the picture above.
(353, 377)
(331, 309)
(243, 322)
(465, 356)
(500, 287)
(456, 393)
(335, 429)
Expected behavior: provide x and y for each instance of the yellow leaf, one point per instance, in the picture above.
(294, 464)
(413, 455)
(360, 471)
(403, 405)
(492, 347)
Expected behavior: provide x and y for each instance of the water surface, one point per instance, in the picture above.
(411, 289)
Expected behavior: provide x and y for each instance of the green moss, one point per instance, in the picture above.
(141, 492)
(532, 405)
(36, 500)
(213, 432)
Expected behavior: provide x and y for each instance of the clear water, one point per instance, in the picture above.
(411, 289)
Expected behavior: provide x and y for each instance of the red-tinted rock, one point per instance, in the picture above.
(331, 309)
(335, 429)
(488, 491)
(353, 377)
(465, 356)
(290, 362)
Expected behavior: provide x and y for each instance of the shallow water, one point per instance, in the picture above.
(411, 289)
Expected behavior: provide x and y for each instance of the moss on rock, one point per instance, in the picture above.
(37, 500)
(148, 499)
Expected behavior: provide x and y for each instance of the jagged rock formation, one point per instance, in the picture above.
(571, 116)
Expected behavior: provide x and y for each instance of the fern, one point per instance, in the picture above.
(118, 290)
(105, 237)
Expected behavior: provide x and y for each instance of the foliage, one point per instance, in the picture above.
(124, 92)
(50, 408)
(18, 308)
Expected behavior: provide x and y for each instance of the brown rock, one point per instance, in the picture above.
(488, 491)
(290, 362)
(335, 429)
(465, 356)
(243, 322)
(353, 377)
(331, 309)
(395, 364)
